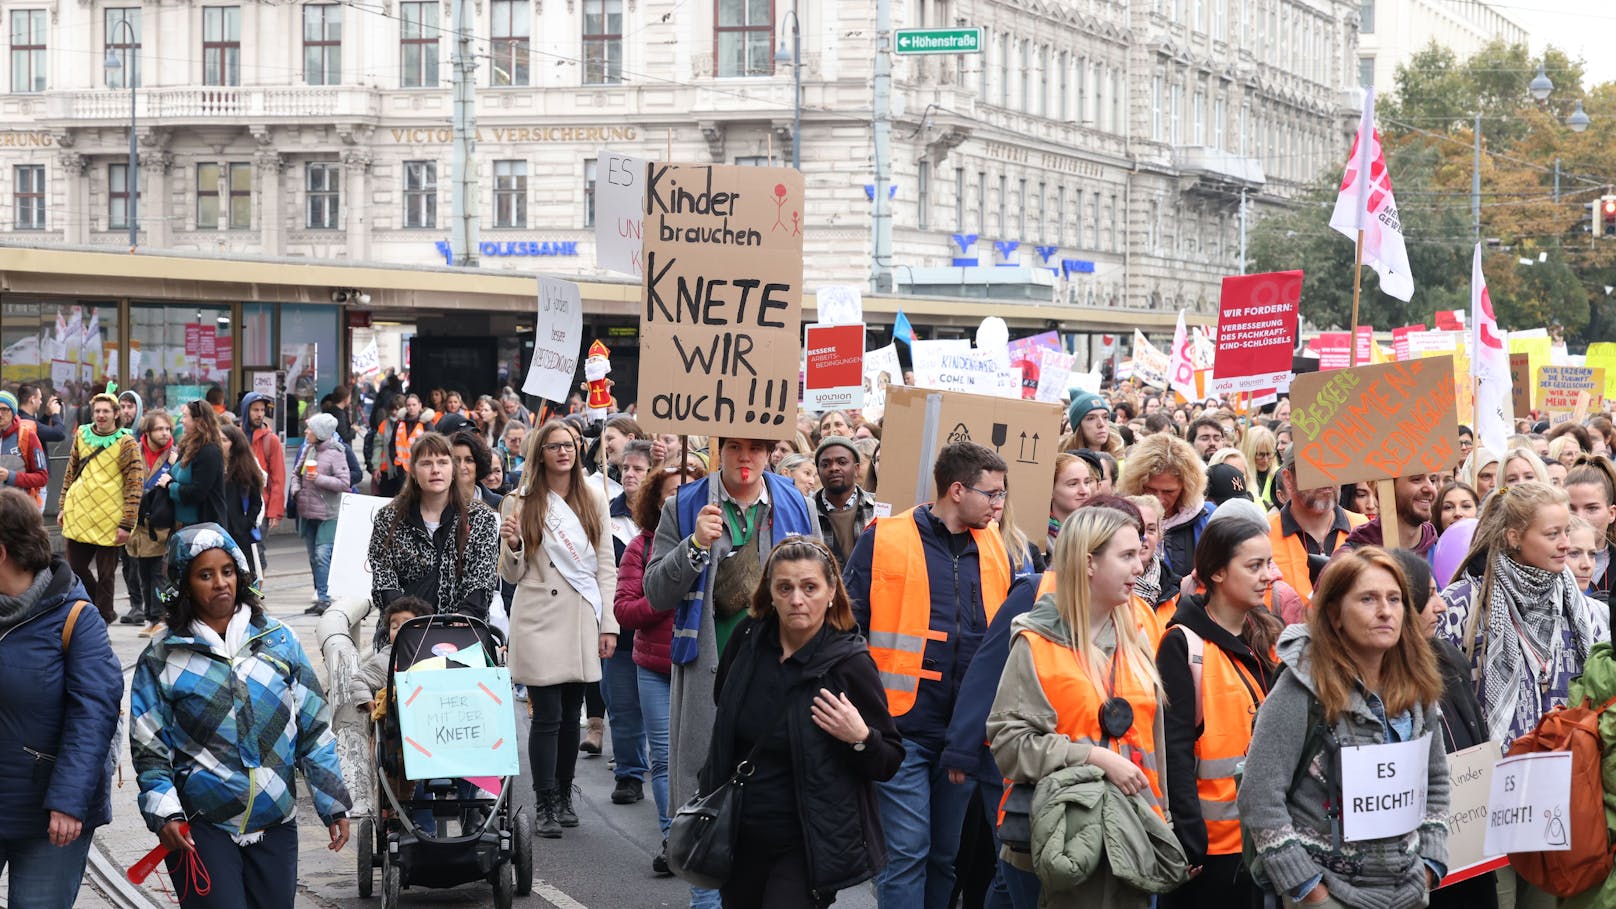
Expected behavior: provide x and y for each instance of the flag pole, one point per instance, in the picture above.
(1357, 282)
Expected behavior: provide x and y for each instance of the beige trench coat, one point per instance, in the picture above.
(555, 637)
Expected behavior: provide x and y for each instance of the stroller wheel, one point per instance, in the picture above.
(366, 843)
(504, 885)
(522, 846)
(392, 882)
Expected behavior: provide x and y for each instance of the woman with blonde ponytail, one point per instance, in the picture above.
(1080, 687)
(1516, 610)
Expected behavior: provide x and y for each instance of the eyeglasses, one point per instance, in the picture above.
(998, 496)
(558, 447)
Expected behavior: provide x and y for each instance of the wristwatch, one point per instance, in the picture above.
(862, 744)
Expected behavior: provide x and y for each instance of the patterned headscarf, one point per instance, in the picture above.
(183, 548)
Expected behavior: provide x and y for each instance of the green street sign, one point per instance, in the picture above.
(939, 41)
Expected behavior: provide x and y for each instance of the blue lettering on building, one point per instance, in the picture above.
(500, 248)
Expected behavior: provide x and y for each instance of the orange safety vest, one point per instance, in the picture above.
(900, 603)
(1229, 697)
(404, 441)
(27, 438)
(1151, 624)
(1291, 555)
(1077, 702)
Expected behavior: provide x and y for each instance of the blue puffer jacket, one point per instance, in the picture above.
(217, 739)
(58, 712)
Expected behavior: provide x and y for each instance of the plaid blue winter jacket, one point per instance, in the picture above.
(216, 739)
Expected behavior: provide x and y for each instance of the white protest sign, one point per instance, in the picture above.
(1054, 375)
(1470, 775)
(620, 213)
(1529, 807)
(1149, 364)
(557, 338)
(1383, 788)
(840, 304)
(881, 369)
(368, 361)
(355, 517)
(972, 371)
(926, 354)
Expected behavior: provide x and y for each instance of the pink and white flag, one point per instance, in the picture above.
(1489, 365)
(1181, 364)
(1365, 203)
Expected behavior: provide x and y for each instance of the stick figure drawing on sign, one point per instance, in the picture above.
(1555, 835)
(779, 206)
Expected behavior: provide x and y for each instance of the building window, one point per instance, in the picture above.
(603, 42)
(1156, 108)
(322, 44)
(589, 191)
(1026, 76)
(118, 196)
(1366, 17)
(221, 45)
(923, 194)
(27, 50)
(240, 196)
(421, 193)
(418, 44)
(513, 26)
(744, 37)
(322, 185)
(510, 193)
(30, 196)
(207, 197)
(124, 43)
(1366, 72)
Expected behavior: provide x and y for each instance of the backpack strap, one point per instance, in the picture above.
(72, 619)
(1197, 655)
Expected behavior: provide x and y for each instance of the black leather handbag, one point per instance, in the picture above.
(702, 834)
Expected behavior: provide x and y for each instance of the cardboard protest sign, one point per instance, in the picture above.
(1559, 386)
(722, 300)
(1470, 775)
(920, 422)
(839, 304)
(834, 376)
(971, 371)
(1149, 364)
(1520, 377)
(620, 213)
(1529, 806)
(557, 337)
(1257, 317)
(1383, 788)
(457, 723)
(1539, 350)
(1374, 422)
(881, 369)
(356, 515)
(1025, 356)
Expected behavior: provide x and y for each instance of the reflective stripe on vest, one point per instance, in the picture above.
(1228, 712)
(1151, 624)
(900, 603)
(1077, 702)
(404, 441)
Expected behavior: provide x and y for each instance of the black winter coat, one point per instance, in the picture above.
(1463, 723)
(835, 785)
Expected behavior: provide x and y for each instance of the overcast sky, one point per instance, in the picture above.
(1579, 27)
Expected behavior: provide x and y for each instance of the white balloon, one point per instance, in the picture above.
(992, 334)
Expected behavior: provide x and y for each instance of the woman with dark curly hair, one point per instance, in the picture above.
(224, 708)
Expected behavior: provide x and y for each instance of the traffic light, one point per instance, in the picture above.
(1607, 216)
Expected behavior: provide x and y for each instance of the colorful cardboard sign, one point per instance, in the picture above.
(1520, 377)
(1257, 317)
(834, 376)
(457, 723)
(1374, 422)
(1560, 385)
(1025, 433)
(1470, 775)
(1149, 364)
(722, 300)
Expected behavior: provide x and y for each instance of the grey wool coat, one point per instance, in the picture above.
(555, 637)
(669, 575)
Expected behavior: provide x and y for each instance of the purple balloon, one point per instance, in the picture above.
(1450, 550)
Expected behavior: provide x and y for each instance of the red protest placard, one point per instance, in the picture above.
(1333, 352)
(1400, 344)
(193, 339)
(834, 377)
(1256, 331)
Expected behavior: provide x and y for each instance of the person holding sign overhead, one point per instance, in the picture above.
(1360, 683)
(1216, 662)
(705, 564)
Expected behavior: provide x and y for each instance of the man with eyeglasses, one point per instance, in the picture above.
(924, 585)
(706, 564)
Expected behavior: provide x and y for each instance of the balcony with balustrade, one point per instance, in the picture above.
(212, 105)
